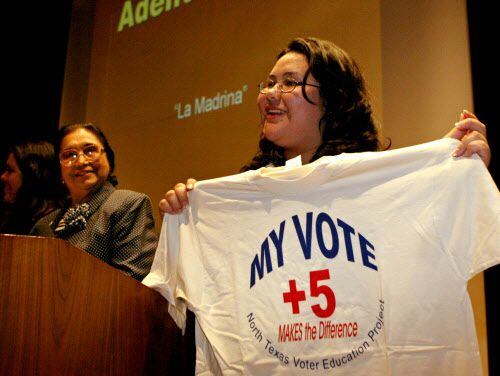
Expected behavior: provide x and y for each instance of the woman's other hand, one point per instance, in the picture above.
(176, 199)
(472, 135)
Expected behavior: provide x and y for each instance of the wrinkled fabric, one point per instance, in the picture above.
(355, 264)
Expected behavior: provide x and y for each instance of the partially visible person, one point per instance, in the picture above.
(29, 186)
(114, 225)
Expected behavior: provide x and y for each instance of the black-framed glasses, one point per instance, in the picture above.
(90, 152)
(285, 86)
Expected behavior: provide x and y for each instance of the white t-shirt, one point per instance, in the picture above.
(355, 264)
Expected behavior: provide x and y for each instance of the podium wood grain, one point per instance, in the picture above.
(64, 312)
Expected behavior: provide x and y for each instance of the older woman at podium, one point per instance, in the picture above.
(111, 224)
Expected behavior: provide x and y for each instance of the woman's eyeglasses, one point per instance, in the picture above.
(91, 153)
(285, 86)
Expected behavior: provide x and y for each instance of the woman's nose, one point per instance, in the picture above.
(80, 160)
(273, 94)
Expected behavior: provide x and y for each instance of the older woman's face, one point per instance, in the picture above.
(12, 179)
(289, 120)
(83, 177)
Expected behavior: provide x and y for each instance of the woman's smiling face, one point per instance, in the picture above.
(83, 177)
(289, 120)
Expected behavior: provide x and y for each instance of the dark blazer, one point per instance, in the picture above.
(119, 230)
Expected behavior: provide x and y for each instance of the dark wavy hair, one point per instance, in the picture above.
(110, 154)
(347, 124)
(38, 194)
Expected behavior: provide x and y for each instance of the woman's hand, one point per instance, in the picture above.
(472, 134)
(176, 199)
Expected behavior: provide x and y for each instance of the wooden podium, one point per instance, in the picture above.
(65, 312)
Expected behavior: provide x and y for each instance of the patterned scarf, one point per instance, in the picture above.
(74, 219)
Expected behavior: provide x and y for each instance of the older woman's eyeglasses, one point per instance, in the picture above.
(90, 153)
(285, 86)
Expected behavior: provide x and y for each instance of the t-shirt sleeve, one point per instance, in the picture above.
(467, 207)
(176, 269)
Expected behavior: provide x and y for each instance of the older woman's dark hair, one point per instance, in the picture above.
(67, 129)
(347, 124)
(38, 194)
